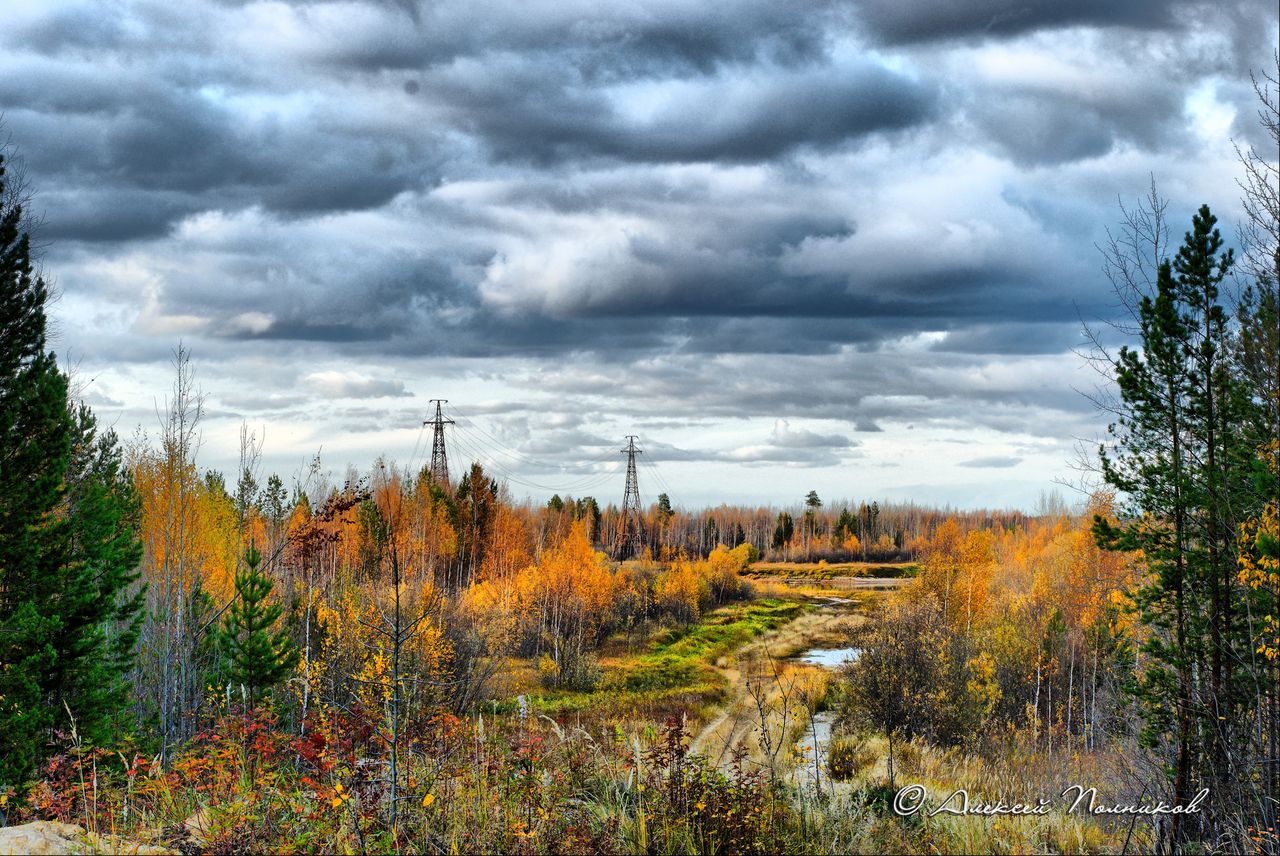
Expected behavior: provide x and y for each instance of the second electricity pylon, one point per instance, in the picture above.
(631, 528)
(439, 460)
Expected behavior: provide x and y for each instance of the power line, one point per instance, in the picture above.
(496, 450)
(576, 483)
(652, 469)
(473, 423)
(417, 447)
(472, 447)
(483, 450)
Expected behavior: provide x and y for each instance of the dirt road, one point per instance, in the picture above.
(739, 720)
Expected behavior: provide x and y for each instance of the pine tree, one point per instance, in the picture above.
(1150, 468)
(35, 447)
(68, 544)
(783, 530)
(1183, 467)
(104, 516)
(274, 500)
(257, 657)
(845, 524)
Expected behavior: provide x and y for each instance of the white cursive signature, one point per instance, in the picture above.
(912, 798)
(1161, 807)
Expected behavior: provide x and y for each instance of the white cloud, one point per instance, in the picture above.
(251, 322)
(335, 384)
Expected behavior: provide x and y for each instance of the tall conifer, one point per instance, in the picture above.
(1183, 469)
(68, 544)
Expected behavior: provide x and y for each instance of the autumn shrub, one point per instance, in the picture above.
(633, 602)
(479, 630)
(577, 670)
(582, 672)
(693, 807)
(563, 605)
(244, 777)
(906, 758)
(849, 757)
(82, 785)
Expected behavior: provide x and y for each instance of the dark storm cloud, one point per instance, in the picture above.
(903, 385)
(526, 110)
(816, 325)
(898, 23)
(717, 286)
(1014, 338)
(111, 215)
(158, 147)
(871, 214)
(604, 42)
(1044, 127)
(136, 153)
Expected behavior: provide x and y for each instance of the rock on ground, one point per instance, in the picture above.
(50, 837)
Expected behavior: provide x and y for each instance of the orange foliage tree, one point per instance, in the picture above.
(564, 600)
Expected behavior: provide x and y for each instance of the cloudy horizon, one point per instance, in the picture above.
(841, 246)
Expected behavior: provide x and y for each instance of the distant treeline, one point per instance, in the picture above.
(807, 531)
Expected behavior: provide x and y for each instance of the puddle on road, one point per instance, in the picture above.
(830, 658)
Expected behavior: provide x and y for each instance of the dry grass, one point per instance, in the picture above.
(1019, 777)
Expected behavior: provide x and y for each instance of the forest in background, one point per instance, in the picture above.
(398, 664)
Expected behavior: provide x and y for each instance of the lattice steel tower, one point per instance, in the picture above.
(631, 530)
(439, 460)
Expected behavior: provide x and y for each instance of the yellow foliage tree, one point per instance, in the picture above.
(1259, 560)
(723, 569)
(682, 591)
(942, 564)
(977, 564)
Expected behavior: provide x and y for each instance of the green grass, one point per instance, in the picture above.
(678, 667)
(679, 657)
(908, 569)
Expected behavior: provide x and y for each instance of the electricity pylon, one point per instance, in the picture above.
(439, 460)
(631, 529)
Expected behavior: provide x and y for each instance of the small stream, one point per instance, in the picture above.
(817, 736)
(829, 658)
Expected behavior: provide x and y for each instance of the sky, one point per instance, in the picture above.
(840, 246)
